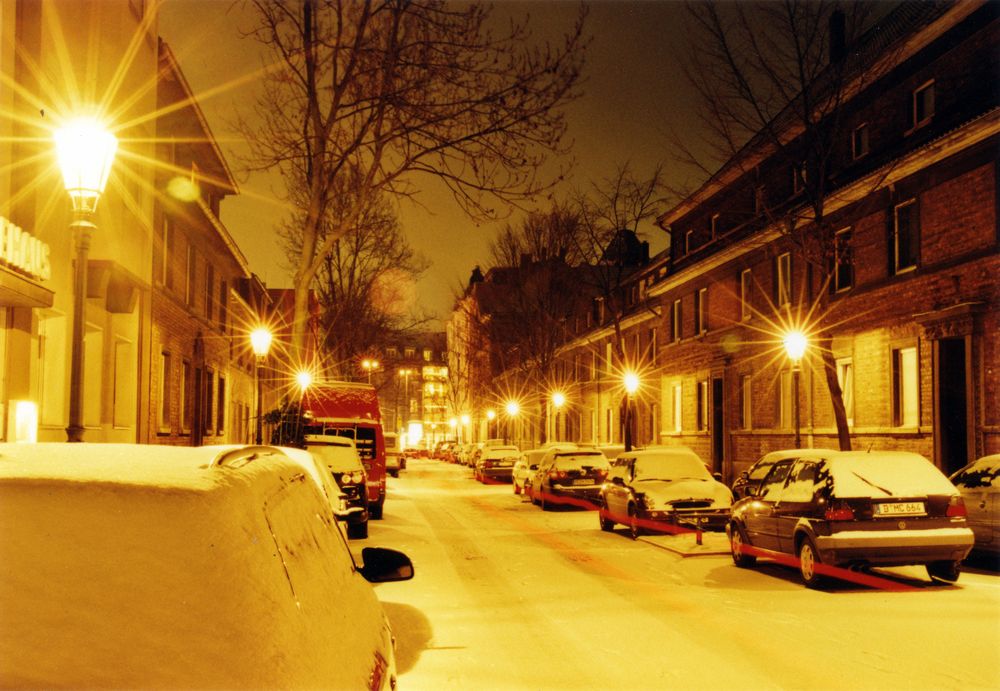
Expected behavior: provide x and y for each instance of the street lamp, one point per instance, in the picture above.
(491, 415)
(304, 379)
(369, 365)
(260, 341)
(631, 382)
(512, 408)
(795, 343)
(558, 401)
(85, 150)
(465, 419)
(405, 373)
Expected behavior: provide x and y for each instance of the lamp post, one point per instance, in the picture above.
(795, 343)
(465, 419)
(512, 408)
(405, 373)
(86, 152)
(491, 415)
(369, 365)
(558, 401)
(260, 341)
(631, 383)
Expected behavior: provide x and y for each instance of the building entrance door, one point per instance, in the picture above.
(952, 417)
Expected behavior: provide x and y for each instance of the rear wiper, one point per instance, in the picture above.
(867, 481)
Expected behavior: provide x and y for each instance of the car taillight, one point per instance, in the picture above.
(839, 512)
(487, 464)
(557, 474)
(956, 508)
(601, 474)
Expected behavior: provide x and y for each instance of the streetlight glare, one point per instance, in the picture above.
(491, 414)
(513, 408)
(795, 343)
(304, 379)
(85, 150)
(260, 341)
(558, 399)
(631, 380)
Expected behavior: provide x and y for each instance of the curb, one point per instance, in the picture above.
(678, 545)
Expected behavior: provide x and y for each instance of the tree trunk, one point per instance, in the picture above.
(836, 394)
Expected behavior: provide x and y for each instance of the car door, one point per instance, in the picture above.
(616, 495)
(760, 519)
(795, 500)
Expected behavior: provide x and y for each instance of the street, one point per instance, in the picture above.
(507, 596)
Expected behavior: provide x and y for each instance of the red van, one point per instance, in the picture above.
(349, 409)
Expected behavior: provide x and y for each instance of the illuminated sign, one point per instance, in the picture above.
(21, 250)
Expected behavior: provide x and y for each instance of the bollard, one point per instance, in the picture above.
(697, 537)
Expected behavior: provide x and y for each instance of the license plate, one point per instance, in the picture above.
(584, 481)
(901, 508)
(504, 464)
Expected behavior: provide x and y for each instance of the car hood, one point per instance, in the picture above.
(663, 492)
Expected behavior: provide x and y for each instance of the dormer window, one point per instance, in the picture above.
(759, 199)
(715, 225)
(859, 141)
(688, 241)
(799, 177)
(923, 104)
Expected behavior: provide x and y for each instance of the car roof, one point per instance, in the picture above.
(782, 454)
(661, 451)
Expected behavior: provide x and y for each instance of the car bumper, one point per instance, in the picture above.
(714, 520)
(590, 492)
(504, 474)
(895, 546)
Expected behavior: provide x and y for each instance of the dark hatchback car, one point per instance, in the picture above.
(342, 460)
(853, 509)
(749, 480)
(569, 477)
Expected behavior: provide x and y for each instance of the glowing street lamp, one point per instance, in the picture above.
(631, 382)
(86, 151)
(260, 342)
(464, 419)
(405, 373)
(369, 365)
(795, 343)
(491, 415)
(304, 379)
(558, 401)
(512, 408)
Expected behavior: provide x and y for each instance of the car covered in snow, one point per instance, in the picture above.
(527, 464)
(979, 485)
(496, 463)
(568, 477)
(663, 489)
(853, 509)
(749, 480)
(135, 566)
(394, 462)
(343, 462)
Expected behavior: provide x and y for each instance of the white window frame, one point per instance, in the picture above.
(925, 88)
(676, 324)
(906, 387)
(746, 402)
(783, 267)
(860, 144)
(845, 377)
(746, 294)
(701, 311)
(688, 236)
(715, 225)
(913, 233)
(703, 405)
(839, 259)
(677, 407)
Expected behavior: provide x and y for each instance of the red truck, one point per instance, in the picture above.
(349, 409)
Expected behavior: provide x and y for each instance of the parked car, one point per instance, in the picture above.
(342, 460)
(979, 485)
(663, 489)
(496, 463)
(854, 509)
(527, 464)
(394, 462)
(137, 566)
(749, 480)
(571, 476)
(392, 444)
(323, 479)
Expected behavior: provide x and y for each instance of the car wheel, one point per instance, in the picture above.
(357, 531)
(808, 562)
(634, 530)
(944, 571)
(541, 500)
(517, 488)
(738, 545)
(375, 510)
(607, 525)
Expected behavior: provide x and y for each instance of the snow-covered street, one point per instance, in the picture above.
(507, 596)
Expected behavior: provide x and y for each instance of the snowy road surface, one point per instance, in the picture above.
(509, 597)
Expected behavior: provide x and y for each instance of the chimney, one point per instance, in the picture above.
(838, 36)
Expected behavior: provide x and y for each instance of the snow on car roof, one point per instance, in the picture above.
(886, 473)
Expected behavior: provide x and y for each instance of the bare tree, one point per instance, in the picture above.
(774, 82)
(385, 89)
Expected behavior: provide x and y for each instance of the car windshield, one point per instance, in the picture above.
(884, 475)
(983, 473)
(576, 461)
(502, 452)
(670, 467)
(339, 459)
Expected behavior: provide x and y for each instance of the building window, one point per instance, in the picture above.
(783, 280)
(391, 352)
(759, 199)
(746, 294)
(678, 402)
(746, 401)
(799, 177)
(220, 412)
(859, 141)
(164, 241)
(675, 322)
(905, 237)
(653, 345)
(123, 412)
(209, 290)
(427, 354)
(923, 104)
(608, 366)
(209, 400)
(715, 225)
(905, 387)
(843, 268)
(189, 277)
(223, 305)
(688, 241)
(701, 311)
(703, 405)
(410, 352)
(184, 399)
(165, 391)
(845, 377)
(785, 400)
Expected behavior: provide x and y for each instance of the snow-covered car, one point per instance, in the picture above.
(568, 477)
(854, 509)
(979, 485)
(496, 464)
(321, 476)
(663, 490)
(749, 480)
(394, 462)
(136, 566)
(527, 464)
(342, 460)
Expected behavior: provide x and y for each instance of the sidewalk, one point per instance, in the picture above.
(686, 544)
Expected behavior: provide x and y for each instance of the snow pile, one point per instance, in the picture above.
(142, 566)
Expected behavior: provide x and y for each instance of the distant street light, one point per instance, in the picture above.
(86, 151)
(513, 408)
(405, 373)
(465, 419)
(795, 343)
(491, 415)
(558, 401)
(369, 365)
(631, 383)
(304, 379)
(260, 341)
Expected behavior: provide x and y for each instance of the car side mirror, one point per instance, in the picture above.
(617, 480)
(745, 475)
(717, 476)
(385, 565)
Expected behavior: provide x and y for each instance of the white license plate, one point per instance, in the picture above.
(901, 508)
(504, 464)
(584, 481)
